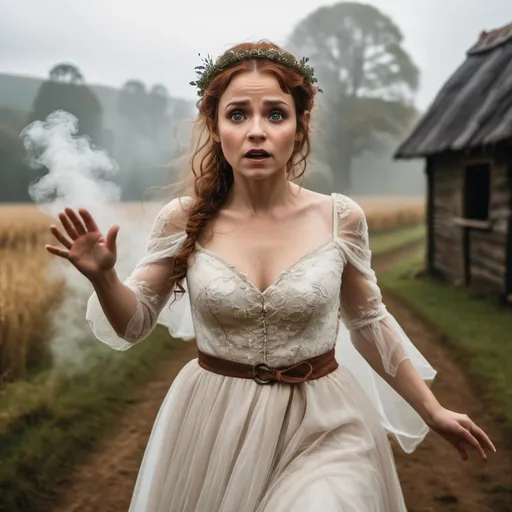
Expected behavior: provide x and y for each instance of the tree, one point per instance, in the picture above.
(157, 110)
(367, 76)
(146, 110)
(133, 105)
(66, 90)
(67, 73)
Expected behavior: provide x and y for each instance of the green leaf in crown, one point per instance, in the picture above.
(209, 69)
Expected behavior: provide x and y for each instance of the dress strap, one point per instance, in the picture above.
(334, 215)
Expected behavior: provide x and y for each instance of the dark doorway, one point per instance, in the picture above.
(477, 196)
(477, 192)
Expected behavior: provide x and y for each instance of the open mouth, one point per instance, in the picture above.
(257, 154)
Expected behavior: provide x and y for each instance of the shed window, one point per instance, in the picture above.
(477, 192)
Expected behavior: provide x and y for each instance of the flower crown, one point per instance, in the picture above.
(207, 71)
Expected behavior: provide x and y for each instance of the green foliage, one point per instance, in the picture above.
(367, 76)
(66, 73)
(209, 68)
(66, 90)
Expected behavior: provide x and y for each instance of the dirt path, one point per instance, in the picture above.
(104, 483)
(434, 478)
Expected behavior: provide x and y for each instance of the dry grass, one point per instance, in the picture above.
(390, 213)
(26, 297)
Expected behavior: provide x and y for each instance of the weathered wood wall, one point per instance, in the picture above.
(488, 257)
(447, 254)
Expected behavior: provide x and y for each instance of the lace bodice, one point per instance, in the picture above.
(295, 318)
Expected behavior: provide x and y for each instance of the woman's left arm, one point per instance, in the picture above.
(381, 341)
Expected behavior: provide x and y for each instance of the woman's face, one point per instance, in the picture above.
(257, 125)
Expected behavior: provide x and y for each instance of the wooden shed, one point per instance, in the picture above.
(466, 140)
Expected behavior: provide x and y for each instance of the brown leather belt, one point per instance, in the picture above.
(309, 369)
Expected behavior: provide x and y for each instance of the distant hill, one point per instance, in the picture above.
(19, 92)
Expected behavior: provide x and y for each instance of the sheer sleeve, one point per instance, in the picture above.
(372, 328)
(148, 280)
(367, 326)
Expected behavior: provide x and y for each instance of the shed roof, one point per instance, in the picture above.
(474, 107)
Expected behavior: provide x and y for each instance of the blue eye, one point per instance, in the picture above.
(237, 113)
(277, 113)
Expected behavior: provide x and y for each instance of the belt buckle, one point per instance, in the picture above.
(255, 377)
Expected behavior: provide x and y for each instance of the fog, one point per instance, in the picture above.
(160, 40)
(79, 176)
(157, 43)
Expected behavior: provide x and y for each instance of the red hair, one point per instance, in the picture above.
(212, 175)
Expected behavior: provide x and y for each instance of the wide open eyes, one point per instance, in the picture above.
(275, 116)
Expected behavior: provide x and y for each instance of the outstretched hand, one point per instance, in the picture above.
(86, 248)
(460, 431)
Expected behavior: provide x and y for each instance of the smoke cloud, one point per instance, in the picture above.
(80, 176)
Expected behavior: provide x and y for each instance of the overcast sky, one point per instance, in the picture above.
(157, 41)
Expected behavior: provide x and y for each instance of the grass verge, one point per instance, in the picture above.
(42, 445)
(382, 243)
(475, 328)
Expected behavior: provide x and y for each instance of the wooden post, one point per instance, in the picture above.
(508, 277)
(429, 169)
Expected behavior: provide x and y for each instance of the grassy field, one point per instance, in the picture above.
(381, 243)
(476, 329)
(26, 293)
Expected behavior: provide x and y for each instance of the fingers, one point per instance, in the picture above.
(74, 225)
(469, 431)
(68, 226)
(90, 224)
(60, 237)
(77, 223)
(466, 435)
(462, 452)
(111, 238)
(483, 437)
(58, 252)
(74, 228)
(459, 429)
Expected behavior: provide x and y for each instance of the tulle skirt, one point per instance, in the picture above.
(221, 444)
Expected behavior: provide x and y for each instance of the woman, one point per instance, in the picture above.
(270, 269)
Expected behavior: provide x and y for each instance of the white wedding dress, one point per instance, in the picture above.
(232, 445)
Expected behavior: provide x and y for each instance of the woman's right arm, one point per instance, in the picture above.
(118, 301)
(121, 314)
